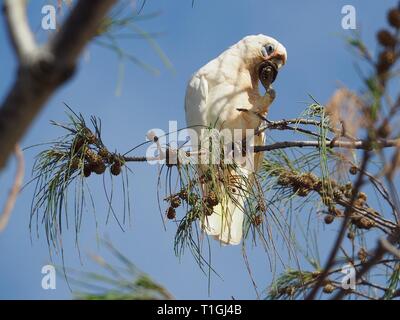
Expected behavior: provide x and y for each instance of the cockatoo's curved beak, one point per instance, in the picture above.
(268, 69)
(278, 58)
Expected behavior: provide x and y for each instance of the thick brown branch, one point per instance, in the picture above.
(45, 69)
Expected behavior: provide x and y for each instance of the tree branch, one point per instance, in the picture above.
(42, 71)
(384, 246)
(339, 239)
(358, 144)
(12, 197)
(20, 34)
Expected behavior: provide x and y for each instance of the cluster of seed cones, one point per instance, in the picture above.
(331, 194)
(389, 40)
(91, 156)
(201, 205)
(191, 199)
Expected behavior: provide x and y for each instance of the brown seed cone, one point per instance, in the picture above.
(104, 153)
(261, 207)
(89, 136)
(258, 220)
(99, 168)
(386, 59)
(115, 169)
(290, 291)
(329, 218)
(362, 255)
(353, 170)
(92, 157)
(382, 70)
(183, 194)
(386, 39)
(328, 288)
(362, 222)
(283, 180)
(171, 213)
(175, 202)
(212, 199)
(75, 163)
(394, 18)
(362, 196)
(351, 235)
(301, 192)
(366, 223)
(208, 211)
(87, 170)
(348, 186)
(310, 179)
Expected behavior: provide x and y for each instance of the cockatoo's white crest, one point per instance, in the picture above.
(254, 49)
(213, 96)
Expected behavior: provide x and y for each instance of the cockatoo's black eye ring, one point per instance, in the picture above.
(268, 49)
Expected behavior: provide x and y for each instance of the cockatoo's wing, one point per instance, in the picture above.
(226, 222)
(196, 102)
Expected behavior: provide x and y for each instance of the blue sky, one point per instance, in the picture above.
(318, 62)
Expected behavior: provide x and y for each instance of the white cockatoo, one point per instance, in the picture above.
(213, 96)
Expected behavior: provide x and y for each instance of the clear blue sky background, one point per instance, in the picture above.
(318, 61)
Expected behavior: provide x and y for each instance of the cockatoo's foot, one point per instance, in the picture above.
(270, 94)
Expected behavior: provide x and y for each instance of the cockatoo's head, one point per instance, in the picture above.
(263, 56)
(260, 48)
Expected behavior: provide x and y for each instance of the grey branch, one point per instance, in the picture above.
(390, 248)
(18, 28)
(358, 144)
(43, 70)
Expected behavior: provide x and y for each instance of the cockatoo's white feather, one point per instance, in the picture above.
(214, 94)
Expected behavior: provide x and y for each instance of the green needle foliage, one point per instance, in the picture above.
(61, 173)
(120, 281)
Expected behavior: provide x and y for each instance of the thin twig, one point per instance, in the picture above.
(381, 249)
(358, 144)
(332, 256)
(12, 197)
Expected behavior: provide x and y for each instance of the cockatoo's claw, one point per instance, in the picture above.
(267, 73)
